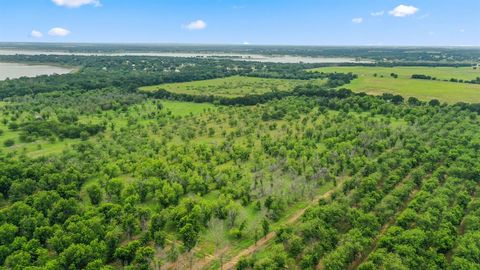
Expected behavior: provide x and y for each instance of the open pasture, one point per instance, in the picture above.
(231, 86)
(378, 80)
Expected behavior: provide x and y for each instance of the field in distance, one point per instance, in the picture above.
(378, 80)
(232, 86)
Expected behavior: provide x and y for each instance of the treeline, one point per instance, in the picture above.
(130, 73)
(294, 75)
(308, 91)
(48, 129)
(88, 80)
(427, 77)
(423, 77)
(73, 103)
(473, 107)
(381, 54)
(296, 72)
(250, 100)
(393, 64)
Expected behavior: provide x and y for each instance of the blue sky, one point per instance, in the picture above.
(286, 22)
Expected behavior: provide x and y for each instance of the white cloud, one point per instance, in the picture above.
(357, 20)
(196, 25)
(377, 13)
(462, 30)
(36, 34)
(246, 43)
(403, 11)
(59, 32)
(76, 3)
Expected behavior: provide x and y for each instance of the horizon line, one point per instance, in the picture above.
(236, 44)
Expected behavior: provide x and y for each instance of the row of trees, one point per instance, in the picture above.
(433, 174)
(427, 77)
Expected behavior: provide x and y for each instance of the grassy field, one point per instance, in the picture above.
(403, 85)
(32, 149)
(231, 86)
(442, 73)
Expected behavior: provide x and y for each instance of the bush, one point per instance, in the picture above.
(235, 233)
(13, 126)
(9, 143)
(84, 135)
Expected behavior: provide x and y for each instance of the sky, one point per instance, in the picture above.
(279, 22)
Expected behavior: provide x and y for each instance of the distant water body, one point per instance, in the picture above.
(16, 70)
(239, 57)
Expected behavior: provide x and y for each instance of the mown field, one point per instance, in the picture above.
(232, 86)
(383, 82)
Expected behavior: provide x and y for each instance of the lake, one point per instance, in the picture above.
(232, 56)
(16, 70)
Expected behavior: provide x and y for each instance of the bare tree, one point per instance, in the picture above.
(217, 230)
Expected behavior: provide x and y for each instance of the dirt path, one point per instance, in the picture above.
(231, 263)
(209, 259)
(265, 240)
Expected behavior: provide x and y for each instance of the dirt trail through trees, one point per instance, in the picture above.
(231, 263)
(265, 240)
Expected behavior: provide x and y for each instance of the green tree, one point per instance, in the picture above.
(143, 258)
(114, 188)
(159, 238)
(7, 233)
(76, 256)
(265, 227)
(18, 260)
(9, 142)
(95, 194)
(189, 236)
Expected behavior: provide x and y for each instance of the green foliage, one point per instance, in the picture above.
(265, 227)
(95, 194)
(189, 236)
(162, 178)
(9, 142)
